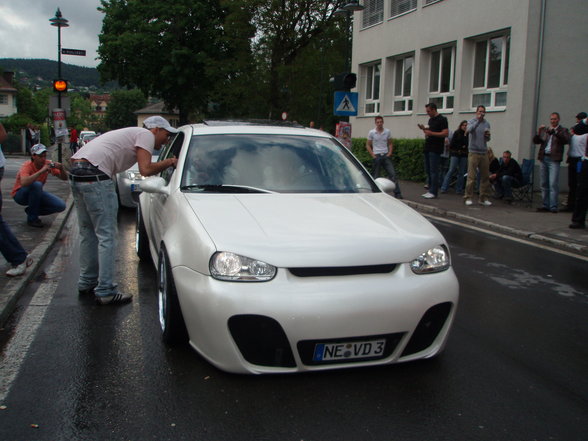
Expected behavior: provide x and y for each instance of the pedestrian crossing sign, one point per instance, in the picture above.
(345, 103)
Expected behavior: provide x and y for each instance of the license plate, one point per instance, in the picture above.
(348, 351)
(135, 188)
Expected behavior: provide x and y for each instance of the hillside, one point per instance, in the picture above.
(40, 73)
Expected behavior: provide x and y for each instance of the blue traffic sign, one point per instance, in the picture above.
(345, 103)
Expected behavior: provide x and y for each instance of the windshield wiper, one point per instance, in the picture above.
(221, 188)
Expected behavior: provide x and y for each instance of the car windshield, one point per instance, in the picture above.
(272, 163)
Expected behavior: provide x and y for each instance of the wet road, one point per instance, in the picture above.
(514, 369)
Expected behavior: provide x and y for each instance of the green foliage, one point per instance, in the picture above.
(12, 144)
(122, 107)
(14, 123)
(408, 157)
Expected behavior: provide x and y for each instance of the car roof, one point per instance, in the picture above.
(253, 127)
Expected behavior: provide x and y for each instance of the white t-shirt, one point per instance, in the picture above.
(379, 141)
(578, 145)
(114, 151)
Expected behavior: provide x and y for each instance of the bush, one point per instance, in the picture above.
(12, 144)
(408, 157)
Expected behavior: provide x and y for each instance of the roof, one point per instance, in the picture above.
(156, 109)
(252, 122)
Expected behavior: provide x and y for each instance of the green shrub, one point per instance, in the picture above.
(408, 157)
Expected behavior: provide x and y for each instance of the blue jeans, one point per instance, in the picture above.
(10, 247)
(97, 208)
(550, 183)
(38, 201)
(505, 184)
(459, 164)
(386, 162)
(432, 161)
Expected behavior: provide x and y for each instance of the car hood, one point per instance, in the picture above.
(314, 230)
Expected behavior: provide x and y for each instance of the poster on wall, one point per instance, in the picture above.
(343, 133)
(59, 124)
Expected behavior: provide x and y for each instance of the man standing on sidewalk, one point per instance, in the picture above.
(578, 135)
(93, 168)
(380, 147)
(552, 140)
(479, 134)
(435, 133)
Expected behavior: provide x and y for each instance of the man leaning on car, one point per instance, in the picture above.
(93, 169)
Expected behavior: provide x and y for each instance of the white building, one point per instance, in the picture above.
(522, 59)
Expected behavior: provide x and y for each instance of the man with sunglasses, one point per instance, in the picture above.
(92, 174)
(28, 187)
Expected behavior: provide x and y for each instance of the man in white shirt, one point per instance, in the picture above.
(380, 147)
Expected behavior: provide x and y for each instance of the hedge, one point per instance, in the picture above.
(408, 157)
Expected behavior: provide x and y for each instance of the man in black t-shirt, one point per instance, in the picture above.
(435, 133)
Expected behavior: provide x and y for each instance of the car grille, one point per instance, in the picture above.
(342, 270)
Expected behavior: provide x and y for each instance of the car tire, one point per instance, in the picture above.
(141, 238)
(171, 320)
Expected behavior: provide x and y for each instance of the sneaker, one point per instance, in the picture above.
(36, 223)
(485, 203)
(576, 226)
(468, 202)
(429, 196)
(542, 210)
(115, 299)
(19, 270)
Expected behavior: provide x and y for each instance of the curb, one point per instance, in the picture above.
(574, 248)
(16, 286)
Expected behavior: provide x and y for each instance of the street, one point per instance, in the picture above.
(514, 368)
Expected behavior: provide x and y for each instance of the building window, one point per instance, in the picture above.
(373, 12)
(403, 68)
(430, 2)
(398, 7)
(3, 99)
(372, 89)
(442, 78)
(491, 62)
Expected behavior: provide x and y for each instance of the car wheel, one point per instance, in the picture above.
(141, 239)
(173, 328)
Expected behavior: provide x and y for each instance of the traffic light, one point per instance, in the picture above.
(60, 85)
(344, 81)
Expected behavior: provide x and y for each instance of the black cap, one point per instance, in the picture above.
(581, 115)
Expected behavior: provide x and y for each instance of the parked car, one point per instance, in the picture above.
(276, 251)
(128, 184)
(87, 138)
(82, 135)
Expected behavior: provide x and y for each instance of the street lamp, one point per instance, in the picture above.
(59, 22)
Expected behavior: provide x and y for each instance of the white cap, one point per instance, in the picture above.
(37, 149)
(159, 122)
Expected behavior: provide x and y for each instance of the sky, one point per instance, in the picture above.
(25, 30)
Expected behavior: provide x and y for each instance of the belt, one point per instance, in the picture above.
(88, 178)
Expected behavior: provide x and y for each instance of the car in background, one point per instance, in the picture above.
(128, 184)
(82, 135)
(277, 252)
(87, 138)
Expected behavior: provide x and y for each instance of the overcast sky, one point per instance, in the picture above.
(25, 30)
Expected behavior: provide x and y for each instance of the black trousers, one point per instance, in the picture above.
(579, 216)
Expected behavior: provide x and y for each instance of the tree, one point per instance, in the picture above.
(122, 107)
(163, 48)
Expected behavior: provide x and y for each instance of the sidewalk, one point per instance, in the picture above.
(517, 220)
(37, 241)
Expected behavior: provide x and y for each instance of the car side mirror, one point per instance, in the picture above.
(386, 185)
(155, 185)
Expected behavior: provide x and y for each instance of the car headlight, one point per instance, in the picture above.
(433, 261)
(235, 268)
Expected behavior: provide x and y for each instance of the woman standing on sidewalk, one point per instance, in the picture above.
(458, 152)
(10, 247)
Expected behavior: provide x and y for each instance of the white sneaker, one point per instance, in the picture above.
(428, 195)
(19, 270)
(485, 203)
(468, 202)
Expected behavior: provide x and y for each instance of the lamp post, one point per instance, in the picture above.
(347, 11)
(59, 22)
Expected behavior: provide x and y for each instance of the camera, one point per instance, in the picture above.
(52, 165)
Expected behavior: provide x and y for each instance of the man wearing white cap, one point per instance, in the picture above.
(28, 187)
(93, 169)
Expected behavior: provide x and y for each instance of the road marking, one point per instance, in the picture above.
(17, 348)
(506, 236)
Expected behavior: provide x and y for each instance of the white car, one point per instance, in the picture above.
(277, 252)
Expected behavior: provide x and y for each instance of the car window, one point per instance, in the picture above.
(279, 163)
(170, 150)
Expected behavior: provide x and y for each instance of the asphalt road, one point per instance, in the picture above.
(514, 368)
